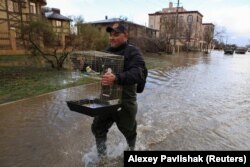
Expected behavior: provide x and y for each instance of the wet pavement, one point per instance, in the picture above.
(191, 102)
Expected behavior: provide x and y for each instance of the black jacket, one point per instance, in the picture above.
(133, 62)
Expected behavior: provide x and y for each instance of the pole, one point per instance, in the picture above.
(176, 25)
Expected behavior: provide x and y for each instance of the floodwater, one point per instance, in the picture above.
(192, 102)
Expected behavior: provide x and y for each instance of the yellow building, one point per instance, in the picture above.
(14, 14)
(60, 24)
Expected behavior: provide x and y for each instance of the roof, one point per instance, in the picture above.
(56, 16)
(115, 20)
(181, 12)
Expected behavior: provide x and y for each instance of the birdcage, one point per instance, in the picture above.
(95, 99)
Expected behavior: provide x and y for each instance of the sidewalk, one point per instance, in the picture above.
(42, 130)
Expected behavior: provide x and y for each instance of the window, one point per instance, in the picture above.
(181, 23)
(32, 8)
(190, 19)
(206, 28)
(10, 6)
(181, 19)
(58, 23)
(16, 6)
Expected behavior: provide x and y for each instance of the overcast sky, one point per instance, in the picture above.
(233, 15)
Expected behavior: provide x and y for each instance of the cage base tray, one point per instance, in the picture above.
(93, 107)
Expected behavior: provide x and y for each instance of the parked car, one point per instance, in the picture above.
(229, 50)
(248, 49)
(241, 50)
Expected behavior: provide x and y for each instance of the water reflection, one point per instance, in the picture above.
(191, 102)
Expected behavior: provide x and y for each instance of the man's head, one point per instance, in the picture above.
(118, 35)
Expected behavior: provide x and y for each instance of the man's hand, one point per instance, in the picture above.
(108, 79)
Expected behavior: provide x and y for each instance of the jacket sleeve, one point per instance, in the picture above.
(133, 65)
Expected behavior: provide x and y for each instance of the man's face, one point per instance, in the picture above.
(116, 39)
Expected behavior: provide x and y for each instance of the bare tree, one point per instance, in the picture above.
(38, 33)
(183, 33)
(167, 30)
(76, 20)
(90, 37)
(41, 40)
(188, 32)
(211, 33)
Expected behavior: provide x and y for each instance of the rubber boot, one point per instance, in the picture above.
(101, 147)
(131, 144)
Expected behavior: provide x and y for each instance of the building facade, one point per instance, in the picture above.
(139, 35)
(184, 28)
(13, 15)
(134, 30)
(60, 24)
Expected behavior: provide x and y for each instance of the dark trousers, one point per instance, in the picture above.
(125, 121)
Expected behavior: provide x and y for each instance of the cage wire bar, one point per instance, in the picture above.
(95, 99)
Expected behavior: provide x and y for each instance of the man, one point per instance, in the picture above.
(131, 75)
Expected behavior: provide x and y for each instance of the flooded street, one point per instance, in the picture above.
(191, 102)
